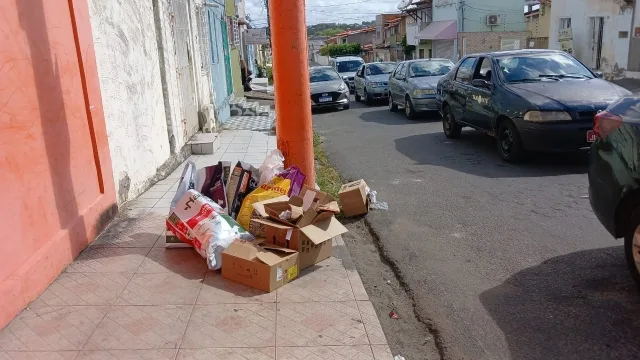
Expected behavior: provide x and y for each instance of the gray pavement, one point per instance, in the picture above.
(505, 261)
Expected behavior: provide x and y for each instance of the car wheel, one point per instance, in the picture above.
(509, 142)
(367, 98)
(357, 96)
(392, 106)
(632, 247)
(450, 126)
(408, 109)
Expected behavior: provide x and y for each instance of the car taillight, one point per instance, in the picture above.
(604, 123)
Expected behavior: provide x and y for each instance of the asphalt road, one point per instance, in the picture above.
(505, 261)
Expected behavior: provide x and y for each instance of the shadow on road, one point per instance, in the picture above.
(385, 117)
(475, 153)
(583, 305)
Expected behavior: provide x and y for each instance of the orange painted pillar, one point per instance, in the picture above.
(291, 75)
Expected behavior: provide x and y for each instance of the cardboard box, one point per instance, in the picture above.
(353, 198)
(261, 267)
(259, 213)
(310, 229)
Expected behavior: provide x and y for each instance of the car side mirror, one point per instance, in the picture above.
(599, 74)
(481, 83)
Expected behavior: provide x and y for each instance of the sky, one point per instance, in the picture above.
(329, 11)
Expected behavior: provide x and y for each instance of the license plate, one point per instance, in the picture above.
(591, 136)
(324, 98)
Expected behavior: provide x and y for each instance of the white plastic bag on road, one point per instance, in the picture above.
(272, 165)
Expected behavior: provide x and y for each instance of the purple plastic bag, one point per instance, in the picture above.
(297, 178)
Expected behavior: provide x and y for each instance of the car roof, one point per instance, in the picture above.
(322, 67)
(430, 59)
(516, 52)
(381, 62)
(346, 58)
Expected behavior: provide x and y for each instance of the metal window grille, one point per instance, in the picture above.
(236, 33)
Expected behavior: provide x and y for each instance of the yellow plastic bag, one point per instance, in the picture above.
(276, 187)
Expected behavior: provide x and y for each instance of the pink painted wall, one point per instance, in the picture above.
(56, 187)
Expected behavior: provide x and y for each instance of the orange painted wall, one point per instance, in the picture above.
(56, 186)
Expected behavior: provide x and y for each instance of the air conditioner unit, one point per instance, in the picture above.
(493, 20)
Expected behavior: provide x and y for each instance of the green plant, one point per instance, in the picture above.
(407, 49)
(269, 72)
(340, 49)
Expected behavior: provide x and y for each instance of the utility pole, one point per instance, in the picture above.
(290, 68)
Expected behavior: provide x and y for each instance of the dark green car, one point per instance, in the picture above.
(530, 100)
(614, 175)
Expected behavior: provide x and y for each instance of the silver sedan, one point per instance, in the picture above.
(372, 81)
(412, 85)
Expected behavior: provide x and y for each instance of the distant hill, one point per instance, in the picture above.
(331, 29)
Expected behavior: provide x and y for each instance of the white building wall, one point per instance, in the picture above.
(201, 69)
(174, 109)
(128, 67)
(617, 18)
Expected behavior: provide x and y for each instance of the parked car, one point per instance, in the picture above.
(347, 66)
(412, 85)
(328, 89)
(372, 81)
(530, 100)
(614, 175)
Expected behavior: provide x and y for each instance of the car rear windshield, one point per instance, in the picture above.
(323, 74)
(429, 68)
(349, 65)
(538, 67)
(380, 69)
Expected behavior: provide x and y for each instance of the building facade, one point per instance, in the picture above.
(459, 27)
(112, 93)
(603, 34)
(538, 21)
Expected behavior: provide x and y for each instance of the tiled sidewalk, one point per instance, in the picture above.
(127, 297)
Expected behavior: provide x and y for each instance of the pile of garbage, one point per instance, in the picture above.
(260, 226)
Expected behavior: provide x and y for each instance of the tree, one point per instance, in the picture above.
(407, 49)
(331, 32)
(340, 49)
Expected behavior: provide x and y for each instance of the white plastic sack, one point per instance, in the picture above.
(272, 165)
(200, 222)
(187, 180)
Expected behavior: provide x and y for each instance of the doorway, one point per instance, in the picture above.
(596, 26)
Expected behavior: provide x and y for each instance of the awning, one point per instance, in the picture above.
(439, 30)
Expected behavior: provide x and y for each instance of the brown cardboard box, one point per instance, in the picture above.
(353, 198)
(309, 234)
(259, 213)
(262, 267)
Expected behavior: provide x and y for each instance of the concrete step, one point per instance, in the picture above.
(237, 100)
(255, 123)
(243, 107)
(204, 143)
(264, 110)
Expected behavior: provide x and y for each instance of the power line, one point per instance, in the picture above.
(325, 6)
(495, 9)
(343, 13)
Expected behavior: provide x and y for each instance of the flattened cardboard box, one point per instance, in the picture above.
(309, 234)
(262, 267)
(353, 198)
